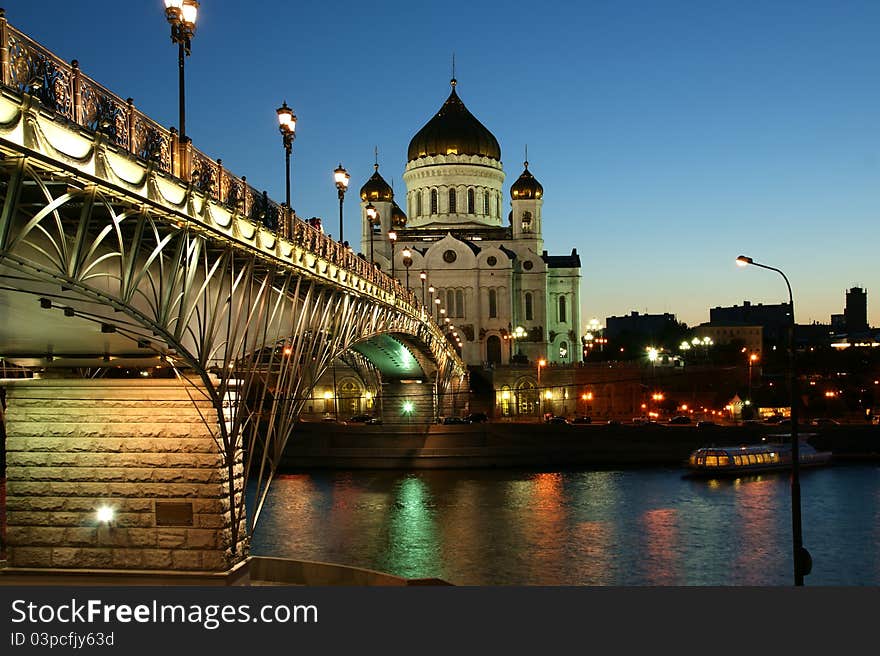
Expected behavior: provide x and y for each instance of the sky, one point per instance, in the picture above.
(669, 137)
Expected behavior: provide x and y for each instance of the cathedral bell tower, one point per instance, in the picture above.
(526, 196)
(376, 197)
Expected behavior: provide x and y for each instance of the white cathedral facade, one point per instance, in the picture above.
(508, 300)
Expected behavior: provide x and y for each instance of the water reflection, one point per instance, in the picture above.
(636, 527)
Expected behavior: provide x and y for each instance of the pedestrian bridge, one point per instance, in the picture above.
(129, 255)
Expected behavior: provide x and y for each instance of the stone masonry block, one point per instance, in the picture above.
(157, 558)
(30, 557)
(186, 560)
(170, 538)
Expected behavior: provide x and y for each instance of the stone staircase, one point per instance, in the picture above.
(145, 448)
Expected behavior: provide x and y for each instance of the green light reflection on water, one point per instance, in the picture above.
(412, 538)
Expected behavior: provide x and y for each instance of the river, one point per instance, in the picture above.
(625, 527)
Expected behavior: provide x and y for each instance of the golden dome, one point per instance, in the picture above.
(376, 189)
(454, 131)
(398, 218)
(526, 187)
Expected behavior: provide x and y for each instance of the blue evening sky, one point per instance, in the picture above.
(669, 136)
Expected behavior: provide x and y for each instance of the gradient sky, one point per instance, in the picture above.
(670, 137)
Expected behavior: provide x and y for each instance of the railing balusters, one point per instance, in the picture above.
(4, 49)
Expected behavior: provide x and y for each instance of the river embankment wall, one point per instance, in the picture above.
(496, 444)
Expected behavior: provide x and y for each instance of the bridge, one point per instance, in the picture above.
(163, 325)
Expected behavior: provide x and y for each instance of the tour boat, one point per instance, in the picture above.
(738, 460)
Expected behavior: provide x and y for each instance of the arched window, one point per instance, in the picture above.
(433, 201)
(562, 318)
(450, 303)
(528, 306)
(486, 203)
(452, 209)
(471, 202)
(563, 351)
(419, 202)
(493, 304)
(459, 303)
(527, 222)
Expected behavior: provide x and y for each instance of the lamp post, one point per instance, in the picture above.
(541, 363)
(437, 308)
(424, 277)
(181, 15)
(372, 219)
(392, 237)
(803, 563)
(287, 127)
(341, 177)
(407, 262)
(752, 359)
(518, 333)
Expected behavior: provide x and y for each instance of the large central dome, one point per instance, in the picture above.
(454, 131)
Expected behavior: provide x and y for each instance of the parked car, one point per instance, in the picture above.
(614, 422)
(641, 420)
(824, 421)
(558, 420)
(454, 420)
(374, 421)
(706, 424)
(477, 418)
(680, 419)
(582, 420)
(360, 419)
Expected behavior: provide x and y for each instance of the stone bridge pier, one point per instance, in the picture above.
(121, 476)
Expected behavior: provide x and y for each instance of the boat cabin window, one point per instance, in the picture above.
(737, 460)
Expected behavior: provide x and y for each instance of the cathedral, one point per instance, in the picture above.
(483, 278)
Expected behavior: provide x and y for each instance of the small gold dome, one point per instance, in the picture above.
(526, 187)
(398, 218)
(376, 189)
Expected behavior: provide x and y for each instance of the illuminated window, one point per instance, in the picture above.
(452, 209)
(737, 460)
(527, 222)
(711, 461)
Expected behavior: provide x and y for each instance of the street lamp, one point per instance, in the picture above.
(541, 363)
(407, 262)
(287, 127)
(424, 277)
(392, 237)
(803, 563)
(341, 177)
(753, 357)
(372, 219)
(181, 15)
(437, 308)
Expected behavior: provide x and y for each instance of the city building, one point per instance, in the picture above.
(485, 276)
(642, 325)
(750, 336)
(774, 319)
(856, 311)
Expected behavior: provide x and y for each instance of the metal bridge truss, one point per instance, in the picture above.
(92, 231)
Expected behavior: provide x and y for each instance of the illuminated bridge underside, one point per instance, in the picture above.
(103, 257)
